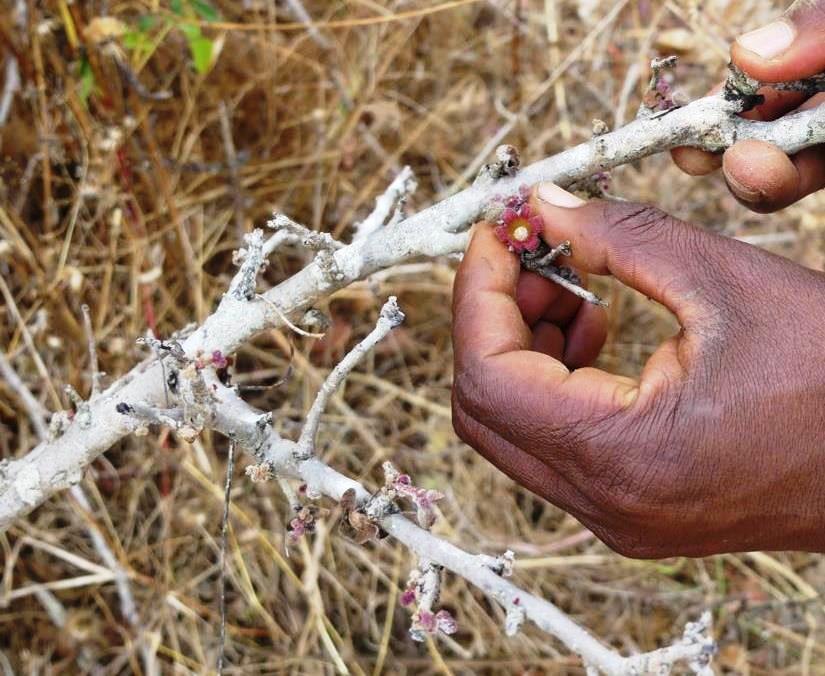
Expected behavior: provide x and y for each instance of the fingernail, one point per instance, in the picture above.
(558, 197)
(769, 41)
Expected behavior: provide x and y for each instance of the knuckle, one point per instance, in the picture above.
(631, 545)
(468, 388)
(643, 223)
(459, 418)
(808, 14)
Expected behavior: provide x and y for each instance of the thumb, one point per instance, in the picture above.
(790, 48)
(668, 260)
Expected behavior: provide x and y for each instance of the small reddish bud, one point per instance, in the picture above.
(407, 597)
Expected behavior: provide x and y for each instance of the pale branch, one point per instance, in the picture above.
(10, 88)
(711, 123)
(238, 420)
(390, 317)
(543, 263)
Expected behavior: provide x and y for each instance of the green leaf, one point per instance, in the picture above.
(201, 49)
(177, 7)
(190, 30)
(134, 40)
(146, 23)
(205, 11)
(87, 79)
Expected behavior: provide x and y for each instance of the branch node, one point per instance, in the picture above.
(501, 565)
(59, 423)
(259, 473)
(600, 127)
(330, 270)
(82, 411)
(507, 164)
(659, 97)
(741, 89)
(396, 485)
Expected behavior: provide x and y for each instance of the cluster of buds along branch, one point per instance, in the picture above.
(397, 484)
(420, 595)
(216, 359)
(303, 522)
(660, 96)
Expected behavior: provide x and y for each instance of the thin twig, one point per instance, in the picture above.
(285, 319)
(36, 411)
(390, 317)
(232, 161)
(227, 497)
(10, 88)
(395, 195)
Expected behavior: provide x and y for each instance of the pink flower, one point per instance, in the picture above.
(520, 228)
(297, 527)
(426, 620)
(408, 597)
(423, 499)
(431, 623)
(445, 622)
(219, 361)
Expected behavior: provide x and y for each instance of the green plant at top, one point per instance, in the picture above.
(184, 16)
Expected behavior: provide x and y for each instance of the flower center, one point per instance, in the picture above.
(520, 232)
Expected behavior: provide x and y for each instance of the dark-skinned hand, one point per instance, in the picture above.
(758, 174)
(719, 446)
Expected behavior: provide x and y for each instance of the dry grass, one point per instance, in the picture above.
(133, 206)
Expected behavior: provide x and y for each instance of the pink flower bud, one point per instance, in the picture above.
(407, 597)
(445, 622)
(426, 620)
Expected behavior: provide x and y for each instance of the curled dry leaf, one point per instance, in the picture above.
(354, 524)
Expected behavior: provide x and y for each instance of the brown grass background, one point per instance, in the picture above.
(134, 206)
